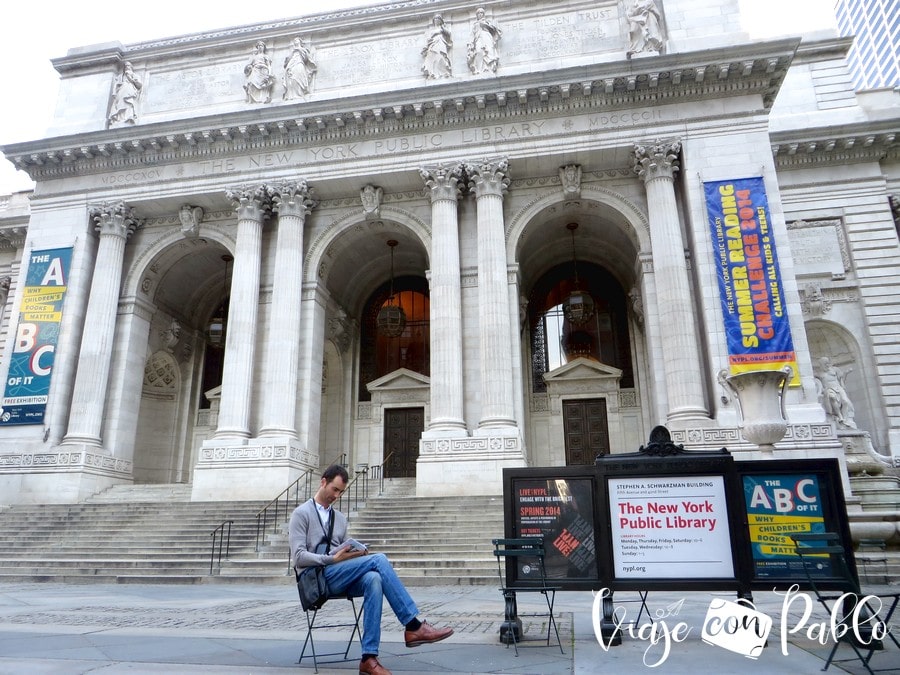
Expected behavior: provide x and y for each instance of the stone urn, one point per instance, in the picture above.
(760, 397)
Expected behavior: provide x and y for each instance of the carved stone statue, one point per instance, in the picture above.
(258, 71)
(190, 217)
(371, 201)
(4, 291)
(637, 304)
(645, 27)
(299, 70)
(482, 53)
(832, 393)
(125, 94)
(570, 177)
(436, 53)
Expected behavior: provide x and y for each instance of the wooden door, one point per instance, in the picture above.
(403, 428)
(586, 430)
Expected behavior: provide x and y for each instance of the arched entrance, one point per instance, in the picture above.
(583, 386)
(182, 365)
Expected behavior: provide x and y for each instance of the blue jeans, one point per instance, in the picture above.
(371, 577)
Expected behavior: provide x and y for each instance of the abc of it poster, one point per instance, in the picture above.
(757, 328)
(777, 507)
(31, 360)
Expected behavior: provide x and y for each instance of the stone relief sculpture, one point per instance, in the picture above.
(645, 27)
(171, 335)
(299, 70)
(570, 177)
(125, 95)
(190, 217)
(830, 386)
(371, 201)
(258, 71)
(814, 302)
(436, 53)
(483, 55)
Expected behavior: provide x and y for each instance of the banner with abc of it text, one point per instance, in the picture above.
(40, 314)
(753, 304)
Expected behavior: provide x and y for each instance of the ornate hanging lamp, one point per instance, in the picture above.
(391, 319)
(215, 331)
(578, 308)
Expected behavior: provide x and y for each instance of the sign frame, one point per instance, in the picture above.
(669, 469)
(827, 471)
(517, 479)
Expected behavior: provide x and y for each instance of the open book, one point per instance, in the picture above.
(354, 545)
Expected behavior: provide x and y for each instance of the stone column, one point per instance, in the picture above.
(115, 223)
(447, 415)
(657, 165)
(252, 206)
(293, 203)
(488, 180)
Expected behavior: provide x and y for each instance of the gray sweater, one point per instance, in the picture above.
(305, 532)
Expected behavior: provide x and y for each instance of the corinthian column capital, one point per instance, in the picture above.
(293, 198)
(442, 182)
(116, 220)
(488, 177)
(252, 203)
(659, 160)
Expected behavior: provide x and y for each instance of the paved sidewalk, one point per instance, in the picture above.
(258, 629)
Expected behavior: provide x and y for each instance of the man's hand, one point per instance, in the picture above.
(344, 553)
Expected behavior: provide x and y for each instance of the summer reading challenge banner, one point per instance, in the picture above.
(753, 304)
(31, 363)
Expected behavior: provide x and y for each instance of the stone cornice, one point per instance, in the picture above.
(753, 69)
(848, 143)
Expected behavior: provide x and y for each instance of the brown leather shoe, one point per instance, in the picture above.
(371, 667)
(426, 635)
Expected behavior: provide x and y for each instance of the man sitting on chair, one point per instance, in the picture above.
(357, 573)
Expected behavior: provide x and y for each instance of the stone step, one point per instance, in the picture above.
(115, 540)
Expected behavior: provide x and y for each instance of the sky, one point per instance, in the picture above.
(31, 82)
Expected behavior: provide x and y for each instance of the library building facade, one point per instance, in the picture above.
(444, 238)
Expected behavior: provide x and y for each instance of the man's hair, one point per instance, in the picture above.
(334, 471)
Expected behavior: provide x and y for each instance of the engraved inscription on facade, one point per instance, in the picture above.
(589, 31)
(193, 86)
(816, 247)
(371, 62)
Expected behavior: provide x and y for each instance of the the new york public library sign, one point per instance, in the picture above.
(667, 519)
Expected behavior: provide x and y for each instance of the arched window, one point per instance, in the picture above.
(555, 341)
(380, 354)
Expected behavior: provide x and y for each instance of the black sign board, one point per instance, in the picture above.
(671, 523)
(785, 497)
(686, 521)
(560, 506)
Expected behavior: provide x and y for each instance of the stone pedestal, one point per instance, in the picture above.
(259, 470)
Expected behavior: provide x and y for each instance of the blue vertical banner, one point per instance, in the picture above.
(34, 348)
(757, 329)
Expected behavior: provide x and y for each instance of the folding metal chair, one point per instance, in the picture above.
(312, 615)
(528, 551)
(813, 548)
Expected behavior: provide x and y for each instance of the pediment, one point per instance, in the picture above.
(582, 369)
(214, 393)
(402, 378)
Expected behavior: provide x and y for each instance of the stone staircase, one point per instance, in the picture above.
(430, 540)
(155, 534)
(128, 534)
